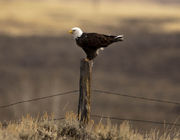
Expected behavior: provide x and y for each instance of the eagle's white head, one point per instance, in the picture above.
(76, 32)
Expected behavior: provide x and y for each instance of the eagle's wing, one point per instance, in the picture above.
(96, 41)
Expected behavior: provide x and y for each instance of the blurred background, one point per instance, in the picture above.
(38, 57)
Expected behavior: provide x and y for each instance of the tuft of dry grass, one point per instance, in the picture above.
(47, 128)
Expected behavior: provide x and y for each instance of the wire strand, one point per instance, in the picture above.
(99, 116)
(125, 119)
(39, 98)
(96, 90)
(137, 97)
(135, 120)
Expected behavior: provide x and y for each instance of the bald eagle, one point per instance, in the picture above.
(91, 43)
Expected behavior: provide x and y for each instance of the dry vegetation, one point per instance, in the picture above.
(46, 128)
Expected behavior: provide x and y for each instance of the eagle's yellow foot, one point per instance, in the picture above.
(86, 59)
(89, 60)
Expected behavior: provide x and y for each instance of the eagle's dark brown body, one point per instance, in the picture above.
(91, 42)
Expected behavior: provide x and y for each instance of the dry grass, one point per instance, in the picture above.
(21, 17)
(46, 128)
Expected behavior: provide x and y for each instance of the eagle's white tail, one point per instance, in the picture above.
(119, 38)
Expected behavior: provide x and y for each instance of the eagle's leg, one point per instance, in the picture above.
(91, 56)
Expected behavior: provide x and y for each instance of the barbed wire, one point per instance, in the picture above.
(58, 119)
(39, 98)
(138, 97)
(135, 120)
(99, 116)
(95, 90)
(126, 119)
(111, 118)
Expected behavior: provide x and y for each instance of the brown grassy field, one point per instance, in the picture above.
(39, 58)
(53, 17)
(46, 128)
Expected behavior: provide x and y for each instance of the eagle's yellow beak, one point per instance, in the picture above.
(70, 31)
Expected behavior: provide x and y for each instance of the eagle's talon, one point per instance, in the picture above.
(86, 59)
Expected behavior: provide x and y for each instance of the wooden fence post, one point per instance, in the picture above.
(84, 91)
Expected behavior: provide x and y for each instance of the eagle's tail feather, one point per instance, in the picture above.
(119, 38)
